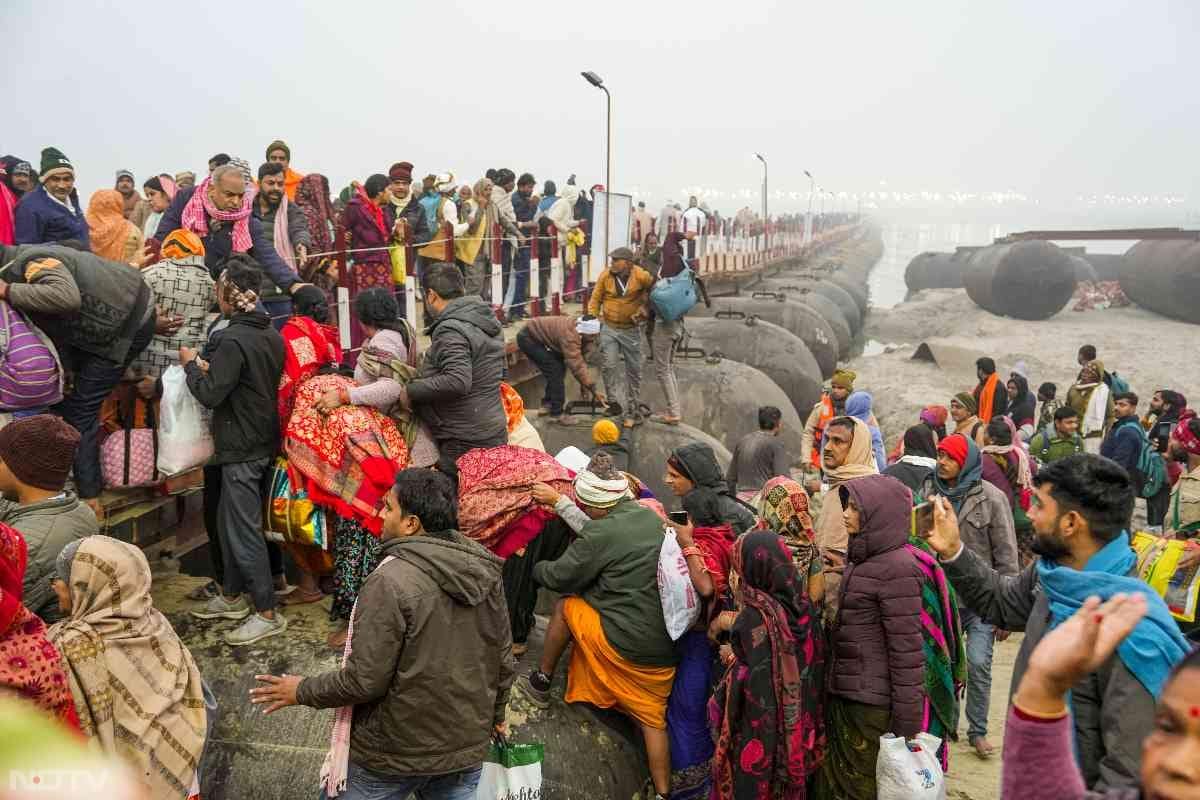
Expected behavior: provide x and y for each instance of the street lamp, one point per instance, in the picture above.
(764, 163)
(811, 183)
(598, 82)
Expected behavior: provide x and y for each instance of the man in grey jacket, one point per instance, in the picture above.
(1081, 504)
(269, 203)
(430, 665)
(35, 459)
(457, 391)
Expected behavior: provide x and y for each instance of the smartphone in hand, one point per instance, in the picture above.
(922, 520)
(678, 517)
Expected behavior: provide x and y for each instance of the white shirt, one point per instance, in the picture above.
(694, 220)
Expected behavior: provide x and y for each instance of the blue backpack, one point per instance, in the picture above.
(674, 297)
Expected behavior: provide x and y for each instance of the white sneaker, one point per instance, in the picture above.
(255, 628)
(220, 608)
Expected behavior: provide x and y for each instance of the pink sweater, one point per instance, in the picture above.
(1039, 762)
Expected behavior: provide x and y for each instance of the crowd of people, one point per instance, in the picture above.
(858, 596)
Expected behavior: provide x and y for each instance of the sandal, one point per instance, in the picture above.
(300, 597)
(665, 419)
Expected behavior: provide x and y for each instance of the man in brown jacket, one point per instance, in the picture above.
(430, 664)
(621, 301)
(555, 344)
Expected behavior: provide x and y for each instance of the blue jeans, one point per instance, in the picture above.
(362, 784)
(979, 672)
(514, 295)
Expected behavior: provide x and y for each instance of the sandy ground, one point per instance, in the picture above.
(970, 777)
(1146, 349)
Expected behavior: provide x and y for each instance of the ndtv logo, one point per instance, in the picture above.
(57, 780)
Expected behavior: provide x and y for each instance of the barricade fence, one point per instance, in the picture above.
(552, 272)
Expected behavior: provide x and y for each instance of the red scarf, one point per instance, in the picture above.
(375, 211)
(31, 666)
(717, 545)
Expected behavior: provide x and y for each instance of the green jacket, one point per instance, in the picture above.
(1047, 446)
(613, 567)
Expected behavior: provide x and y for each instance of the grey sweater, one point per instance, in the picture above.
(48, 526)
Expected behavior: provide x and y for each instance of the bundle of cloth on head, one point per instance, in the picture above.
(243, 300)
(601, 485)
(494, 504)
(182, 244)
(1182, 433)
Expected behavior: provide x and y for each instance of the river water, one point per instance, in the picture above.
(903, 241)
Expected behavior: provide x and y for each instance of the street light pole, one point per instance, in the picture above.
(764, 204)
(811, 183)
(598, 82)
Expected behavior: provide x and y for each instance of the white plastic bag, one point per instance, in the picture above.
(184, 426)
(511, 771)
(909, 771)
(680, 602)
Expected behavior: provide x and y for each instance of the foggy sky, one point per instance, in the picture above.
(1048, 100)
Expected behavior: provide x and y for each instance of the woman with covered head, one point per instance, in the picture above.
(858, 405)
(783, 508)
(1092, 400)
(919, 459)
(766, 713)
(136, 687)
(694, 466)
(112, 236)
(877, 665)
(1022, 406)
(470, 249)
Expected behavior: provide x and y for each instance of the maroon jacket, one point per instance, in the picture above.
(877, 655)
(365, 233)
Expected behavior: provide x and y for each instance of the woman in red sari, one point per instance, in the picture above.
(31, 667)
(345, 457)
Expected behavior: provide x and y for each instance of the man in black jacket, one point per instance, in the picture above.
(457, 391)
(241, 385)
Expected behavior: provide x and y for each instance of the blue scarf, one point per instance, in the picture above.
(1155, 646)
(971, 474)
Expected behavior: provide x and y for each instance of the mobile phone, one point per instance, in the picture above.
(922, 519)
(680, 517)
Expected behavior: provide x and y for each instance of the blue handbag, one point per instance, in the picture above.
(673, 297)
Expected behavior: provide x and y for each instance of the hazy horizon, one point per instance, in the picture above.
(1037, 106)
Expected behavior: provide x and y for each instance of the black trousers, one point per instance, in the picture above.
(520, 589)
(212, 503)
(552, 366)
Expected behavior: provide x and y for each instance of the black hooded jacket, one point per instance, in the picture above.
(457, 392)
(701, 468)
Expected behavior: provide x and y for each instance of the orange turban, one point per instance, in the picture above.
(182, 243)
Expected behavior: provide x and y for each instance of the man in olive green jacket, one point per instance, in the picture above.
(623, 656)
(430, 664)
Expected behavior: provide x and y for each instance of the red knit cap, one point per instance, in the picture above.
(955, 446)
